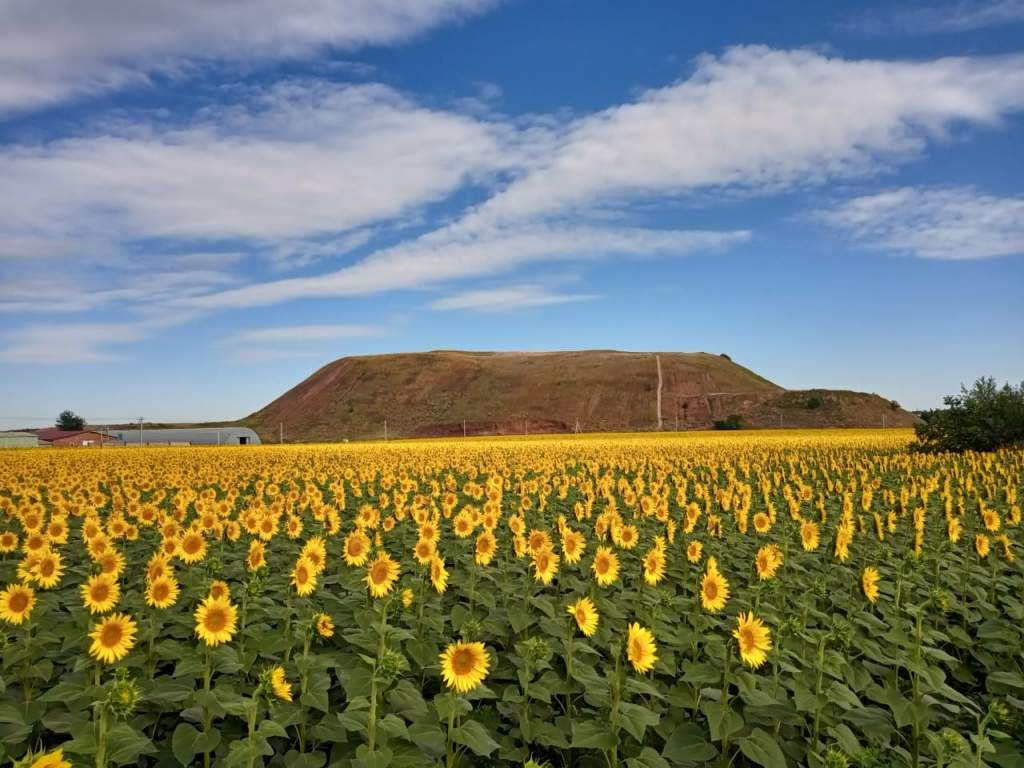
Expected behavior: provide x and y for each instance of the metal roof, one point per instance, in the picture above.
(194, 435)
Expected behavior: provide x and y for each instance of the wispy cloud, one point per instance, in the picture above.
(300, 333)
(441, 256)
(61, 343)
(508, 298)
(53, 51)
(762, 120)
(258, 345)
(941, 17)
(957, 223)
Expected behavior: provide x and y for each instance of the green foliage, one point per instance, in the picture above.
(982, 418)
(732, 421)
(813, 402)
(70, 421)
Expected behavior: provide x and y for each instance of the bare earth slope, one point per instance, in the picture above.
(433, 393)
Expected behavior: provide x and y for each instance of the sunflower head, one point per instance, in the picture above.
(215, 621)
(112, 638)
(464, 665)
(641, 650)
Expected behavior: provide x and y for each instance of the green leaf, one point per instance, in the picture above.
(635, 719)
(187, 742)
(125, 744)
(647, 758)
(688, 743)
(268, 729)
(762, 748)
(473, 735)
(592, 734)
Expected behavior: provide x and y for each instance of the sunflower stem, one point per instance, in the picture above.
(449, 746)
(207, 719)
(371, 726)
(725, 702)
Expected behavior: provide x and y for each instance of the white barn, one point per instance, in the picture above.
(188, 436)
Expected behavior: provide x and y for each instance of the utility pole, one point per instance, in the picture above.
(140, 431)
(280, 433)
(526, 425)
(780, 421)
(385, 430)
(463, 427)
(883, 419)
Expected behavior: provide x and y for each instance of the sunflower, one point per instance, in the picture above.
(762, 522)
(162, 592)
(423, 551)
(755, 640)
(304, 577)
(606, 566)
(714, 589)
(100, 593)
(438, 574)
(953, 529)
(486, 546)
(220, 589)
(257, 556)
(407, 598)
(464, 665)
(809, 535)
(981, 545)
(192, 547)
(356, 549)
(324, 625)
(641, 648)
(49, 570)
(16, 603)
(8, 541)
(280, 685)
(381, 575)
(694, 550)
(767, 562)
(545, 566)
(573, 545)
(586, 615)
(53, 759)
(654, 565)
(215, 621)
(870, 583)
(112, 638)
(315, 550)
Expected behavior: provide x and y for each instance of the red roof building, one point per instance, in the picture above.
(80, 438)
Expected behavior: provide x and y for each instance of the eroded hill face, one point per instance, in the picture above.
(486, 393)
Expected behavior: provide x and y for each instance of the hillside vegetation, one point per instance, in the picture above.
(433, 393)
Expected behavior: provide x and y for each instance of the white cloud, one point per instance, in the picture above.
(301, 333)
(443, 256)
(59, 49)
(934, 223)
(962, 16)
(67, 343)
(303, 159)
(508, 298)
(763, 120)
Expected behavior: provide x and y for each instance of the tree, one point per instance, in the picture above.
(732, 421)
(982, 418)
(70, 421)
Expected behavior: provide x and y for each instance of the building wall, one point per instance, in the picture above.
(19, 441)
(84, 440)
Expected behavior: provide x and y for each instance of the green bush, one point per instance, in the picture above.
(733, 421)
(982, 418)
(813, 402)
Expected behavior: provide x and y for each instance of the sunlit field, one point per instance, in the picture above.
(752, 598)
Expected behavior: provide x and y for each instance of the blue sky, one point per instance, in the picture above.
(202, 203)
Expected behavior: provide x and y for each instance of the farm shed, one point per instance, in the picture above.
(189, 436)
(18, 440)
(76, 438)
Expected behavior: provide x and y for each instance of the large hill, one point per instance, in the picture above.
(435, 393)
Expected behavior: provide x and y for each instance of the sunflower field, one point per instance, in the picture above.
(749, 599)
